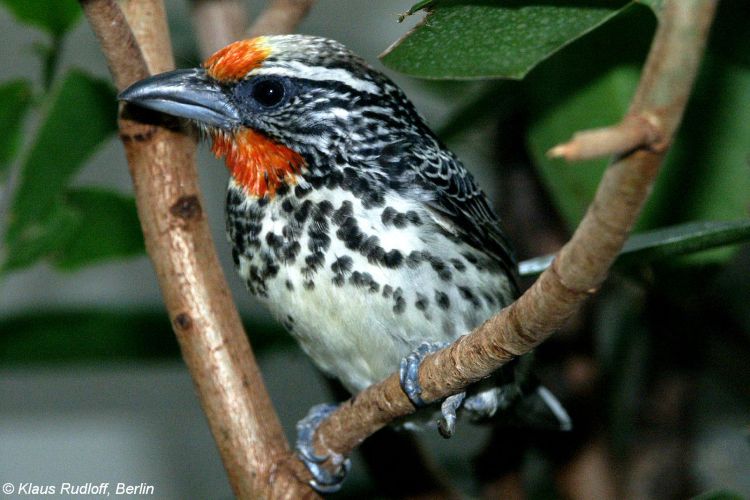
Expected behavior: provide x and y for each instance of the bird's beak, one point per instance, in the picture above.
(186, 93)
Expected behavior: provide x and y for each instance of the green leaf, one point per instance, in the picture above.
(601, 103)
(81, 116)
(107, 228)
(584, 87)
(683, 239)
(53, 16)
(15, 98)
(666, 242)
(490, 39)
(40, 237)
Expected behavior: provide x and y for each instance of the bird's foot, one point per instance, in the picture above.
(409, 375)
(447, 421)
(409, 371)
(323, 480)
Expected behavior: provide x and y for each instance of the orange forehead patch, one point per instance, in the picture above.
(257, 163)
(237, 59)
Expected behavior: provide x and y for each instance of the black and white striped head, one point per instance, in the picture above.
(308, 94)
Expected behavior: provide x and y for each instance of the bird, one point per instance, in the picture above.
(362, 233)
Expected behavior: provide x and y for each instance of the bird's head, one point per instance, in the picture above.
(280, 106)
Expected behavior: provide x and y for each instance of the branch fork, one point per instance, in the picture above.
(642, 130)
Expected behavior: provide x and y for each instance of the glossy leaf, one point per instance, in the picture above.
(107, 228)
(81, 115)
(666, 242)
(15, 98)
(490, 39)
(53, 16)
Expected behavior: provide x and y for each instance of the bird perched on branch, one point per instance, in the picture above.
(362, 233)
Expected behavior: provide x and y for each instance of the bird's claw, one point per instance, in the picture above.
(323, 480)
(447, 422)
(409, 371)
(409, 376)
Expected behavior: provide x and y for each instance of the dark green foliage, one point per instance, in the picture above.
(54, 17)
(15, 98)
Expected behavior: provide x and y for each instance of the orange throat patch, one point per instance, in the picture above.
(257, 163)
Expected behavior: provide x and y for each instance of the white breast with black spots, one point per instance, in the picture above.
(361, 286)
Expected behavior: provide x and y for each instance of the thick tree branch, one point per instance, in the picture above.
(581, 265)
(205, 321)
(281, 16)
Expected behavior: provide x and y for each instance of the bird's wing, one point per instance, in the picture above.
(457, 198)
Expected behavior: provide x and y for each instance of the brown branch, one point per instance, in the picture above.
(641, 131)
(281, 16)
(581, 265)
(206, 323)
(218, 23)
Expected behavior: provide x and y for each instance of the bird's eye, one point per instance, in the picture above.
(268, 93)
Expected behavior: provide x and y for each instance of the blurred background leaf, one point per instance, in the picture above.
(107, 228)
(15, 98)
(72, 227)
(80, 116)
(55, 17)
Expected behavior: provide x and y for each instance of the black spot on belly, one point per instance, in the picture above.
(393, 259)
(342, 264)
(468, 295)
(387, 215)
(303, 212)
(387, 291)
(289, 285)
(325, 208)
(364, 280)
(413, 217)
(460, 266)
(290, 251)
(343, 213)
(442, 300)
(422, 302)
(301, 191)
(273, 240)
(414, 259)
(315, 260)
(400, 305)
(308, 285)
(350, 234)
(287, 205)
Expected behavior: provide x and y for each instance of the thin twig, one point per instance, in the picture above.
(581, 265)
(206, 323)
(633, 132)
(281, 16)
(218, 23)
